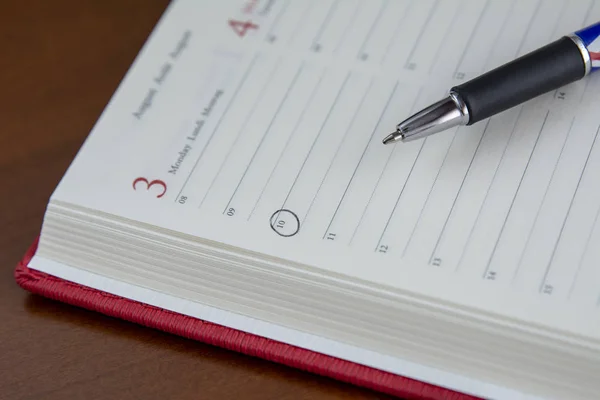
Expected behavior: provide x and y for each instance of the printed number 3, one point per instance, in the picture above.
(150, 184)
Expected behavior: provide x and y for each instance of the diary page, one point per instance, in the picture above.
(259, 124)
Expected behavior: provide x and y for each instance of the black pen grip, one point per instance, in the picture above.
(522, 79)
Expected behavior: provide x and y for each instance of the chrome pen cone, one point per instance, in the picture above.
(391, 138)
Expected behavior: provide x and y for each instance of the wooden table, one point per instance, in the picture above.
(61, 61)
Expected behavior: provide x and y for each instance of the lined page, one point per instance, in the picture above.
(282, 136)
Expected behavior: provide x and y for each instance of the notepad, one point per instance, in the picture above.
(237, 175)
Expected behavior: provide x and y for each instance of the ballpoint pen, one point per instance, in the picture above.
(557, 64)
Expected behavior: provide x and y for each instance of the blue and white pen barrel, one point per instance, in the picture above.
(548, 68)
(589, 45)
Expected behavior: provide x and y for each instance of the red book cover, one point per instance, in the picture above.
(192, 328)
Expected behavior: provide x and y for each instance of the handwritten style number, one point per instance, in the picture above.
(150, 184)
(242, 27)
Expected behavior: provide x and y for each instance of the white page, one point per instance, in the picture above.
(271, 141)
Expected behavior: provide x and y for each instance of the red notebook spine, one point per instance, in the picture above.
(192, 328)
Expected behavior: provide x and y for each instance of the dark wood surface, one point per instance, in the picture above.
(60, 62)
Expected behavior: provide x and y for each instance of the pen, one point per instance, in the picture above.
(563, 61)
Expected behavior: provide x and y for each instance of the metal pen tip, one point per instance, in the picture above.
(391, 138)
(445, 114)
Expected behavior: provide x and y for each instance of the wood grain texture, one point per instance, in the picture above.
(61, 61)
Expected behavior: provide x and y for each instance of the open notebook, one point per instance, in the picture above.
(238, 176)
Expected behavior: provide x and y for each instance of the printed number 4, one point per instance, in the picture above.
(242, 27)
(155, 182)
